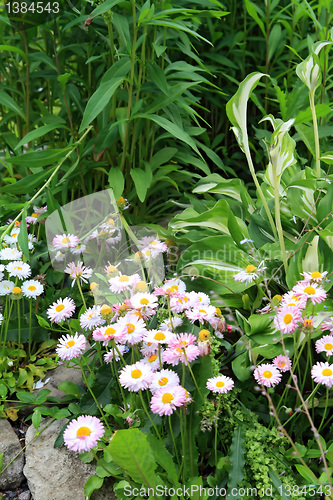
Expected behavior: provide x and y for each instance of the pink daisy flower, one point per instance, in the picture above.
(287, 319)
(315, 277)
(178, 305)
(327, 324)
(153, 361)
(149, 348)
(182, 340)
(108, 356)
(83, 433)
(174, 355)
(110, 332)
(60, 310)
(70, 346)
(325, 344)
(91, 318)
(220, 384)
(78, 271)
(163, 379)
(267, 375)
(167, 325)
(291, 300)
(136, 377)
(201, 314)
(198, 299)
(144, 301)
(283, 363)
(322, 373)
(313, 292)
(172, 288)
(165, 401)
(65, 241)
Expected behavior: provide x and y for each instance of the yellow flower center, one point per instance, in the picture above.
(147, 252)
(267, 374)
(70, 343)
(18, 268)
(16, 290)
(277, 298)
(136, 373)
(65, 240)
(152, 358)
(93, 286)
(287, 319)
(174, 288)
(32, 288)
(307, 323)
(315, 275)
(310, 290)
(109, 331)
(282, 364)
(141, 286)
(250, 268)
(144, 301)
(204, 335)
(130, 328)
(123, 278)
(112, 269)
(34, 215)
(202, 311)
(159, 336)
(105, 309)
(167, 397)
(328, 346)
(220, 383)
(60, 307)
(163, 381)
(327, 372)
(14, 234)
(153, 242)
(83, 431)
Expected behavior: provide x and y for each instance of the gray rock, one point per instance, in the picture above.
(60, 374)
(10, 446)
(57, 474)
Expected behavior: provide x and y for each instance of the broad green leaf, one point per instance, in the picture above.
(163, 458)
(36, 418)
(39, 132)
(141, 182)
(93, 483)
(10, 48)
(116, 181)
(70, 388)
(104, 7)
(99, 100)
(237, 460)
(327, 157)
(131, 450)
(237, 108)
(307, 474)
(36, 159)
(27, 184)
(9, 102)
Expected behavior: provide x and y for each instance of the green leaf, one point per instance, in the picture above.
(237, 460)
(104, 7)
(163, 458)
(116, 181)
(37, 159)
(70, 388)
(99, 100)
(27, 184)
(8, 102)
(237, 107)
(26, 397)
(172, 128)
(141, 182)
(10, 48)
(93, 483)
(39, 132)
(130, 449)
(36, 418)
(307, 474)
(1, 461)
(278, 484)
(22, 238)
(252, 10)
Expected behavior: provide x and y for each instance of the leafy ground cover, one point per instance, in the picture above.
(166, 230)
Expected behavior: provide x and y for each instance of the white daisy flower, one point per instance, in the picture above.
(1, 318)
(91, 318)
(153, 361)
(164, 378)
(108, 356)
(198, 299)
(136, 377)
(6, 287)
(149, 348)
(59, 256)
(201, 314)
(70, 346)
(40, 210)
(166, 324)
(325, 344)
(250, 273)
(158, 336)
(32, 289)
(80, 248)
(78, 271)
(10, 253)
(60, 310)
(322, 373)
(31, 240)
(144, 301)
(12, 238)
(220, 384)
(18, 269)
(123, 282)
(315, 277)
(136, 328)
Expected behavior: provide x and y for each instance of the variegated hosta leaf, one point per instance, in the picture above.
(309, 70)
(280, 148)
(327, 157)
(237, 108)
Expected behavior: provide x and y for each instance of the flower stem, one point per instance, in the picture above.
(276, 183)
(80, 290)
(217, 418)
(315, 133)
(145, 409)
